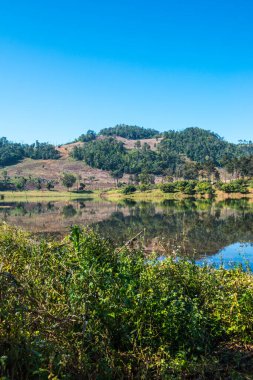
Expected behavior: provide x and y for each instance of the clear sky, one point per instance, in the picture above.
(69, 66)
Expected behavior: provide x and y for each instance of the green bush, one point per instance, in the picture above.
(204, 188)
(168, 187)
(129, 189)
(81, 309)
(145, 187)
(235, 186)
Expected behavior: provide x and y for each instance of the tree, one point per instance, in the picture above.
(89, 136)
(20, 183)
(117, 174)
(5, 176)
(137, 144)
(68, 180)
(146, 178)
(38, 183)
(50, 185)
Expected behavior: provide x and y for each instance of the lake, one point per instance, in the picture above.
(203, 230)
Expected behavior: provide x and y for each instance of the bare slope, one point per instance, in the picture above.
(53, 169)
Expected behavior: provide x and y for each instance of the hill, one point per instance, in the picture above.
(182, 154)
(100, 160)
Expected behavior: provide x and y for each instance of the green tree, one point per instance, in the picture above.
(68, 180)
(20, 183)
(117, 174)
(50, 185)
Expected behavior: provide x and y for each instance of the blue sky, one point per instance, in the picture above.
(69, 66)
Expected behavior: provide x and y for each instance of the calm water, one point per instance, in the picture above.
(207, 231)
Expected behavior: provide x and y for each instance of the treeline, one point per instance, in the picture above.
(81, 309)
(20, 183)
(205, 187)
(11, 153)
(145, 182)
(239, 166)
(132, 132)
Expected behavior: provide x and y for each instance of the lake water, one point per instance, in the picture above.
(214, 232)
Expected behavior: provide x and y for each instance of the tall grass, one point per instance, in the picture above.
(79, 309)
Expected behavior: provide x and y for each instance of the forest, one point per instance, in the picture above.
(11, 153)
(185, 154)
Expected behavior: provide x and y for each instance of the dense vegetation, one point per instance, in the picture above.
(11, 153)
(132, 132)
(110, 154)
(86, 137)
(204, 187)
(80, 309)
(239, 166)
(190, 154)
(201, 145)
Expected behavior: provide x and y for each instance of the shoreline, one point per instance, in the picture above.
(157, 195)
(113, 195)
(8, 196)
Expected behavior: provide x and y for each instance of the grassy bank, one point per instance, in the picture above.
(153, 195)
(79, 309)
(43, 195)
(156, 195)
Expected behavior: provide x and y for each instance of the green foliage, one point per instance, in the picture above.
(129, 189)
(89, 136)
(235, 186)
(201, 145)
(20, 183)
(132, 132)
(188, 154)
(204, 187)
(80, 309)
(50, 185)
(110, 154)
(168, 187)
(242, 166)
(11, 153)
(188, 187)
(107, 154)
(185, 187)
(68, 180)
(117, 174)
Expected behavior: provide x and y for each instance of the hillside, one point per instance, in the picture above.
(100, 160)
(188, 154)
(53, 170)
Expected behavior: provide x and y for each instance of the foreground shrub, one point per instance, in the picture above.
(80, 309)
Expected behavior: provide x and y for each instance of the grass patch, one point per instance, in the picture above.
(153, 195)
(40, 195)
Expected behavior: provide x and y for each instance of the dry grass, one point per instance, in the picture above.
(40, 195)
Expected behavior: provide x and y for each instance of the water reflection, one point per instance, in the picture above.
(237, 254)
(188, 227)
